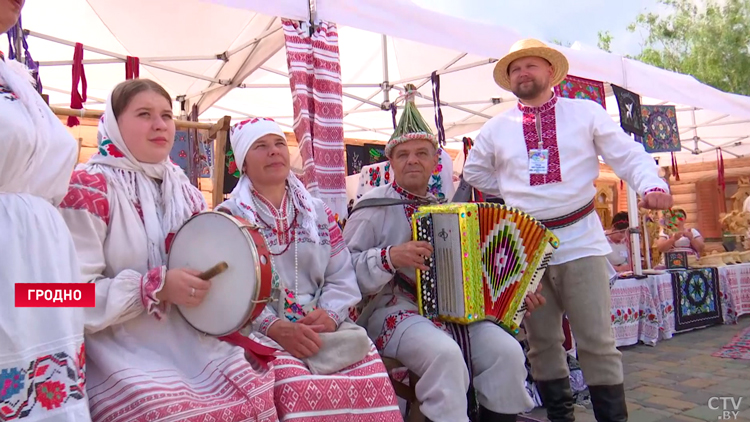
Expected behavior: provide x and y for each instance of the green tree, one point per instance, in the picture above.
(605, 41)
(561, 43)
(710, 42)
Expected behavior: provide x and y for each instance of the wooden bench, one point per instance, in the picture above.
(406, 392)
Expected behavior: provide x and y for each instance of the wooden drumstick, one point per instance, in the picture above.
(214, 271)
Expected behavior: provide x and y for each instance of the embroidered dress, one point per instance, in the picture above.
(42, 376)
(309, 274)
(145, 362)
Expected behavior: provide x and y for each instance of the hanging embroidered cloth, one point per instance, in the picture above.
(440, 185)
(184, 143)
(660, 132)
(575, 87)
(315, 80)
(629, 105)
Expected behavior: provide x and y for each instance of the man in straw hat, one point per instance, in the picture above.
(542, 157)
(386, 259)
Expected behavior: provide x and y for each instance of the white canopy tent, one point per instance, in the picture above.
(228, 57)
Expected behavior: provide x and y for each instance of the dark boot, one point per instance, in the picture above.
(557, 398)
(609, 403)
(486, 415)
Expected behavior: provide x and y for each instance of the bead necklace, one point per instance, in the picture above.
(261, 206)
(281, 215)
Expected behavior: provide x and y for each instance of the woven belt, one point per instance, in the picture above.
(569, 219)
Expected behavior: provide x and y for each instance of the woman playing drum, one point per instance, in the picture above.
(146, 362)
(325, 360)
(41, 349)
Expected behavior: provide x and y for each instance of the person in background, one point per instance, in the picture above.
(617, 237)
(42, 363)
(678, 238)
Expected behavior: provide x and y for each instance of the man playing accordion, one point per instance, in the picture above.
(386, 259)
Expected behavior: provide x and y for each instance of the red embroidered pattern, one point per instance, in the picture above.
(334, 316)
(317, 107)
(654, 190)
(408, 209)
(240, 395)
(334, 231)
(150, 283)
(361, 392)
(385, 261)
(88, 192)
(280, 226)
(389, 326)
(266, 323)
(546, 114)
(46, 383)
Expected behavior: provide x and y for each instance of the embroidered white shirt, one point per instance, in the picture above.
(575, 132)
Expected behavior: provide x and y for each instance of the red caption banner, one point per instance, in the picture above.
(55, 295)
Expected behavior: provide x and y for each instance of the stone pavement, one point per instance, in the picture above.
(674, 380)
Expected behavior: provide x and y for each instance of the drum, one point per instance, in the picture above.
(235, 254)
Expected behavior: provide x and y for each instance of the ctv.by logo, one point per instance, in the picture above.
(729, 406)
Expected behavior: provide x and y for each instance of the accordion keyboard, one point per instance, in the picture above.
(447, 244)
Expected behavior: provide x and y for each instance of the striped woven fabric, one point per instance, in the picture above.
(315, 80)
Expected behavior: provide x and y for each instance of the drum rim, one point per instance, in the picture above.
(240, 226)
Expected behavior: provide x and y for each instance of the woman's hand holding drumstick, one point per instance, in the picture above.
(188, 287)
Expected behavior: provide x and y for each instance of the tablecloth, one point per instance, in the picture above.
(734, 284)
(642, 310)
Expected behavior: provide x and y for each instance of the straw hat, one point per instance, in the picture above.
(531, 48)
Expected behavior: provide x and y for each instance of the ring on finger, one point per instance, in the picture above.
(192, 292)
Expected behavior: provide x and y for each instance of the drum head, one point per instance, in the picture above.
(204, 241)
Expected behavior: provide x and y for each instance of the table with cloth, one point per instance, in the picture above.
(734, 283)
(643, 309)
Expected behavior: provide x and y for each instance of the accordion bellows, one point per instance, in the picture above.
(487, 257)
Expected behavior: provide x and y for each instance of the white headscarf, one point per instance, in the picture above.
(176, 202)
(242, 136)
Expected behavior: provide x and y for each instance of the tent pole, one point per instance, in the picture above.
(635, 237)
(265, 34)
(354, 97)
(115, 61)
(447, 66)
(18, 42)
(459, 103)
(123, 58)
(270, 86)
(447, 104)
(445, 71)
(385, 85)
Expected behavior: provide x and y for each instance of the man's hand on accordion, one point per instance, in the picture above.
(411, 255)
(534, 300)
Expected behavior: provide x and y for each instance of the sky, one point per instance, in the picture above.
(578, 20)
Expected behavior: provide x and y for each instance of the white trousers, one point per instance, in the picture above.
(498, 363)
